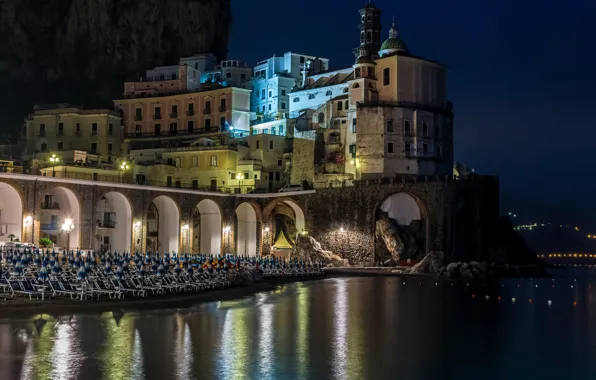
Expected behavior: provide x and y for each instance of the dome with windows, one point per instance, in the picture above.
(393, 43)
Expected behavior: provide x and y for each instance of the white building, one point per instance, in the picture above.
(387, 114)
(232, 73)
(273, 80)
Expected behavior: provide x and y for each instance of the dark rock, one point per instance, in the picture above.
(431, 263)
(310, 250)
(395, 242)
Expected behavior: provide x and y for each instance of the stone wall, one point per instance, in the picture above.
(302, 161)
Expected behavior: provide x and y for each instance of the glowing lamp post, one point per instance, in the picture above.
(124, 166)
(54, 160)
(239, 177)
(67, 227)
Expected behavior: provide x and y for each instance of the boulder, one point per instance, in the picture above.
(310, 250)
(387, 231)
(395, 242)
(431, 263)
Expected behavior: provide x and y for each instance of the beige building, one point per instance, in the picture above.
(56, 130)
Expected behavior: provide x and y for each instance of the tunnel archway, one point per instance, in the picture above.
(58, 205)
(113, 223)
(207, 223)
(247, 231)
(11, 213)
(401, 229)
(163, 225)
(285, 219)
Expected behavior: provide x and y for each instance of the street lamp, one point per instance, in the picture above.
(239, 177)
(67, 227)
(124, 166)
(54, 161)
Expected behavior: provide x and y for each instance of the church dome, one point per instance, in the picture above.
(393, 43)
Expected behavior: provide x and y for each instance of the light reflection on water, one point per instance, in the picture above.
(348, 328)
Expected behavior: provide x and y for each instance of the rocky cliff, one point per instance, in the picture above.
(81, 51)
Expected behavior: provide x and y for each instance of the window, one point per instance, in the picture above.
(340, 105)
(296, 99)
(232, 175)
(346, 90)
(95, 176)
(389, 147)
(228, 75)
(208, 106)
(321, 118)
(191, 109)
(369, 71)
(222, 105)
(438, 150)
(301, 59)
(94, 129)
(60, 145)
(361, 36)
(390, 125)
(283, 92)
(178, 162)
(369, 17)
(353, 150)
(270, 94)
(277, 176)
(424, 148)
(157, 129)
(408, 127)
(195, 161)
(60, 129)
(369, 36)
(407, 148)
(138, 114)
(222, 122)
(242, 76)
(157, 113)
(263, 94)
(270, 144)
(273, 130)
(190, 126)
(246, 175)
(356, 85)
(173, 128)
(169, 181)
(110, 148)
(424, 129)
(269, 107)
(138, 130)
(281, 130)
(93, 147)
(357, 74)
(78, 127)
(311, 96)
(328, 93)
(346, 105)
(110, 129)
(258, 144)
(386, 76)
(283, 105)
(438, 133)
(174, 111)
(195, 183)
(353, 125)
(44, 147)
(207, 124)
(213, 160)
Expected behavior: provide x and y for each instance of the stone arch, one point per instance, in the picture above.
(11, 213)
(113, 223)
(59, 203)
(289, 208)
(207, 226)
(402, 226)
(247, 229)
(163, 225)
(465, 221)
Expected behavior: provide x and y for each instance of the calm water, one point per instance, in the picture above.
(345, 328)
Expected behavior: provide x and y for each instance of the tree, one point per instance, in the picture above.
(12, 237)
(45, 242)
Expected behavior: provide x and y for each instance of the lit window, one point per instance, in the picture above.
(213, 160)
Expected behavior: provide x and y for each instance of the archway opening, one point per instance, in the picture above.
(113, 223)
(286, 220)
(246, 236)
(11, 214)
(163, 225)
(401, 229)
(59, 205)
(207, 227)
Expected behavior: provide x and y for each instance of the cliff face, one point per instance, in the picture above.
(81, 51)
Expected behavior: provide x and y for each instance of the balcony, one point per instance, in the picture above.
(157, 116)
(207, 111)
(49, 227)
(173, 115)
(93, 133)
(41, 133)
(60, 133)
(138, 117)
(178, 132)
(50, 206)
(106, 223)
(408, 133)
(223, 108)
(190, 113)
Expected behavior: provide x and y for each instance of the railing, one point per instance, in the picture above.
(222, 108)
(138, 117)
(50, 206)
(173, 115)
(178, 132)
(60, 133)
(405, 104)
(41, 133)
(106, 224)
(157, 117)
(93, 133)
(207, 111)
(49, 227)
(190, 113)
(266, 119)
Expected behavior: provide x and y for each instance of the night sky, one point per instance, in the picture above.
(522, 76)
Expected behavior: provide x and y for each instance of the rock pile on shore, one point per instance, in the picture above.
(310, 250)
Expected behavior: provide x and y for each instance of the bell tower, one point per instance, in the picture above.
(370, 32)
